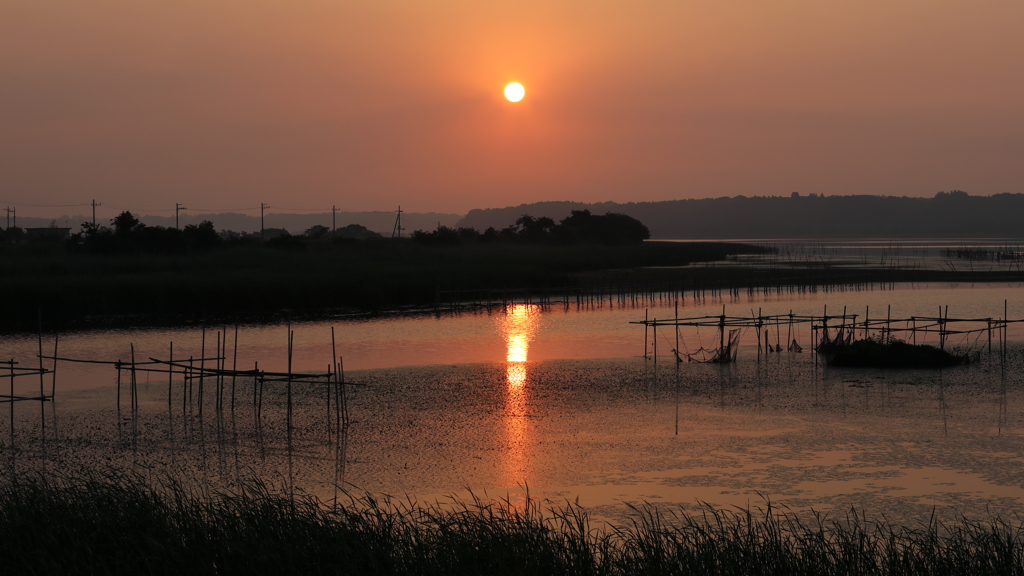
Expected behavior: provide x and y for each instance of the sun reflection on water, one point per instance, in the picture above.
(518, 326)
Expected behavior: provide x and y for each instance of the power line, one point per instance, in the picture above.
(43, 205)
(177, 208)
(398, 224)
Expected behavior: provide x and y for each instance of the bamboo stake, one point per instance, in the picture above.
(170, 377)
(12, 404)
(42, 393)
(234, 368)
(334, 356)
(53, 381)
(217, 378)
(202, 372)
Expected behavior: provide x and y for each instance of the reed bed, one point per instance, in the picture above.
(249, 282)
(122, 524)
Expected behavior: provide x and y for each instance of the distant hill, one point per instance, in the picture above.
(382, 222)
(946, 215)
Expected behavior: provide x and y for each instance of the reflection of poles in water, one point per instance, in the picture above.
(1002, 398)
(942, 404)
(343, 403)
(221, 457)
(257, 388)
(340, 460)
(677, 395)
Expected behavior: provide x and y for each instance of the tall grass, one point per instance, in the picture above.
(120, 524)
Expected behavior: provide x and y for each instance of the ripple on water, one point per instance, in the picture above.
(601, 430)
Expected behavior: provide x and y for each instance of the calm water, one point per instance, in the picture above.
(480, 336)
(564, 402)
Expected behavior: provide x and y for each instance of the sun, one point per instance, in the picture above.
(514, 92)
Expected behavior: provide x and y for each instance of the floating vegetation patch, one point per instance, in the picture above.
(892, 353)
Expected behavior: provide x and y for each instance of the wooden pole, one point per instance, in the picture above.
(131, 381)
(646, 326)
(42, 393)
(216, 380)
(334, 361)
(234, 369)
(53, 381)
(170, 377)
(12, 403)
(344, 392)
(942, 339)
(789, 332)
(721, 333)
(291, 337)
(202, 372)
(259, 396)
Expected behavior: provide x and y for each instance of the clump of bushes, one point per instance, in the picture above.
(893, 353)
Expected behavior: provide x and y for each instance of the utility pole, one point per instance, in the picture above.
(8, 210)
(94, 205)
(334, 221)
(177, 208)
(398, 224)
(262, 208)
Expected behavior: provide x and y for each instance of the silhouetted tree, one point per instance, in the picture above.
(201, 236)
(582, 226)
(317, 232)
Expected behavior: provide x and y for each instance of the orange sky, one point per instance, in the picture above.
(222, 104)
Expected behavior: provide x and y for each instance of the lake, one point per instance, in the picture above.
(559, 400)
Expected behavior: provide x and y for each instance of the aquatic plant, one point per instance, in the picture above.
(893, 353)
(122, 524)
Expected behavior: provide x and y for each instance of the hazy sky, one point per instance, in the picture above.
(223, 104)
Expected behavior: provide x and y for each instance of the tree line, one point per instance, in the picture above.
(127, 235)
(580, 227)
(952, 214)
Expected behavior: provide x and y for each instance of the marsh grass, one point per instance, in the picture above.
(121, 524)
(86, 290)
